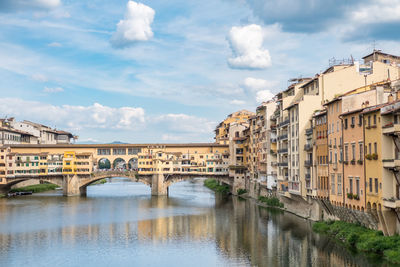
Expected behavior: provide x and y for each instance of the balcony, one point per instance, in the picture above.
(391, 203)
(282, 164)
(284, 123)
(294, 187)
(391, 128)
(308, 175)
(391, 163)
(282, 150)
(309, 131)
(283, 137)
(307, 163)
(308, 147)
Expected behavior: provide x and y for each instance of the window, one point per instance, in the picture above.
(376, 185)
(374, 119)
(360, 119)
(346, 153)
(339, 184)
(360, 145)
(351, 185)
(370, 185)
(335, 157)
(358, 186)
(376, 148)
(369, 148)
(353, 151)
(345, 123)
(369, 121)
(353, 121)
(333, 184)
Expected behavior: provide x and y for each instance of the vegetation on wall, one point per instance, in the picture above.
(37, 188)
(362, 239)
(271, 201)
(213, 185)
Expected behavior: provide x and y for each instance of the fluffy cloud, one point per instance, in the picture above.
(247, 48)
(75, 118)
(254, 84)
(136, 25)
(53, 90)
(264, 95)
(9, 5)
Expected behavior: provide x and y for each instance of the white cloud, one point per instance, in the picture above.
(136, 25)
(247, 48)
(237, 102)
(53, 90)
(54, 44)
(74, 118)
(254, 84)
(264, 95)
(39, 77)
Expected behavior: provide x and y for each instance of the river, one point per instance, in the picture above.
(120, 224)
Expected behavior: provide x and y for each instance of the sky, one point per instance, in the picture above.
(169, 71)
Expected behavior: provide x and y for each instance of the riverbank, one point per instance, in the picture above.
(213, 185)
(370, 242)
(38, 188)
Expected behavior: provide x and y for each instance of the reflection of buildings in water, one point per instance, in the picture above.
(189, 227)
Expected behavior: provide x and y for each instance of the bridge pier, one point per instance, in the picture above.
(71, 185)
(158, 186)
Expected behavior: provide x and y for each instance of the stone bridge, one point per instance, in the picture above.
(77, 185)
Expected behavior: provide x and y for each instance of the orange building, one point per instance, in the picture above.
(335, 151)
(353, 151)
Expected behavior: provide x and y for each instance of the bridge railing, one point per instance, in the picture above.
(122, 172)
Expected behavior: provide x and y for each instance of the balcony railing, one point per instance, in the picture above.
(283, 137)
(282, 164)
(273, 140)
(307, 163)
(284, 123)
(309, 131)
(282, 150)
(308, 176)
(308, 147)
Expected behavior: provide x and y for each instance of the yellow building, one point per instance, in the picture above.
(373, 168)
(222, 130)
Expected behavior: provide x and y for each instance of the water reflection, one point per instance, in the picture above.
(118, 224)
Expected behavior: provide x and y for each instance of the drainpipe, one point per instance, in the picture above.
(365, 168)
(343, 177)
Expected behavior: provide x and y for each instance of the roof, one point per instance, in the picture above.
(72, 146)
(374, 108)
(15, 131)
(381, 53)
(351, 112)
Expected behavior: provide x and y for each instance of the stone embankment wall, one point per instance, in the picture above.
(317, 209)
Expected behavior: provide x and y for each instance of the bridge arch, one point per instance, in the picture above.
(104, 164)
(119, 163)
(133, 164)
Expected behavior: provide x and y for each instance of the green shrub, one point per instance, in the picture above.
(241, 191)
(371, 242)
(271, 201)
(213, 185)
(37, 188)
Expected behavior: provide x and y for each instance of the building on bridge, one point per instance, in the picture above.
(74, 167)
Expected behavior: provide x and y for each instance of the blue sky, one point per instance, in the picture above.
(169, 71)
